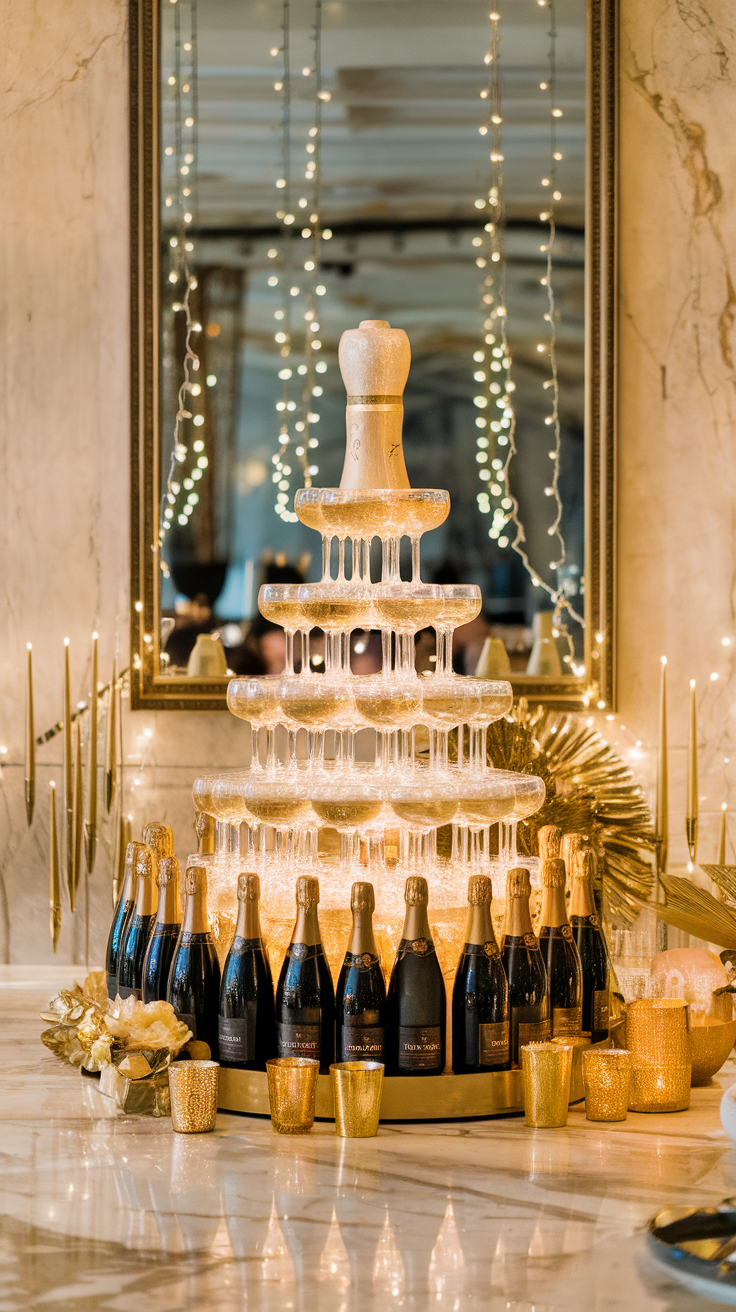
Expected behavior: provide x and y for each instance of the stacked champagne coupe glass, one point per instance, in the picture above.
(352, 775)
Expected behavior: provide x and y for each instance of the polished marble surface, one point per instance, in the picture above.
(107, 1211)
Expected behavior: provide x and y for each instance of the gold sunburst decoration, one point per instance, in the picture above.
(590, 790)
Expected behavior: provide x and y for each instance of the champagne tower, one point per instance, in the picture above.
(365, 769)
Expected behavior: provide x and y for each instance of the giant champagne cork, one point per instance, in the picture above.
(374, 362)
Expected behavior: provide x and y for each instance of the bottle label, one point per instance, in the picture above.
(362, 1043)
(493, 1043)
(566, 931)
(165, 931)
(421, 947)
(531, 941)
(299, 1040)
(237, 1035)
(490, 949)
(124, 991)
(420, 1047)
(566, 1021)
(112, 986)
(600, 1009)
(189, 1021)
(533, 1031)
(360, 960)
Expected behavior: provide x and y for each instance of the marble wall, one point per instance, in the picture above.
(65, 423)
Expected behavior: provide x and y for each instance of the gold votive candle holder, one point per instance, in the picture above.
(578, 1043)
(657, 1038)
(606, 1079)
(357, 1088)
(546, 1070)
(292, 1093)
(193, 1088)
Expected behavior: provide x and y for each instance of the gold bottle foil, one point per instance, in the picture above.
(606, 1079)
(657, 1038)
(357, 1088)
(193, 1086)
(292, 1092)
(546, 1069)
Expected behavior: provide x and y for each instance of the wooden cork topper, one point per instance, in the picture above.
(374, 362)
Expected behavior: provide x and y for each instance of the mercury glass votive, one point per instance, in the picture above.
(193, 1087)
(578, 1043)
(606, 1078)
(357, 1088)
(546, 1070)
(657, 1038)
(292, 1093)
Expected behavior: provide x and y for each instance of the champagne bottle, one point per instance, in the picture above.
(360, 1003)
(305, 997)
(121, 919)
(247, 1019)
(525, 969)
(194, 979)
(166, 929)
(480, 996)
(564, 976)
(133, 951)
(550, 842)
(571, 844)
(591, 945)
(416, 1028)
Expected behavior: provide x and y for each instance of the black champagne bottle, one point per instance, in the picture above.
(360, 1002)
(121, 919)
(417, 1023)
(591, 945)
(525, 969)
(160, 839)
(247, 1019)
(561, 957)
(571, 843)
(480, 996)
(166, 929)
(194, 979)
(133, 952)
(305, 997)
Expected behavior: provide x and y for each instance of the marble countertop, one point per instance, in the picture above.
(108, 1211)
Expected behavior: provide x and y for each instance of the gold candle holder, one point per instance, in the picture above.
(578, 1043)
(193, 1087)
(657, 1038)
(357, 1088)
(292, 1092)
(606, 1079)
(546, 1070)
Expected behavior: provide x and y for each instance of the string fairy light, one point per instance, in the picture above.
(302, 292)
(189, 460)
(495, 372)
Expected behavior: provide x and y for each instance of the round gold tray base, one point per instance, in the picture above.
(405, 1098)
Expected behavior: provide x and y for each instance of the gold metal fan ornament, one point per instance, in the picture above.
(590, 790)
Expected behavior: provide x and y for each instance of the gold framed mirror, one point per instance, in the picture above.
(368, 99)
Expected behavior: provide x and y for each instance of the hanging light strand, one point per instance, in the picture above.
(551, 315)
(184, 81)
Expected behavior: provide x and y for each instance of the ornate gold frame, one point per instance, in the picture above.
(149, 690)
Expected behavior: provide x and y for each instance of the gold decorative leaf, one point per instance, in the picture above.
(696, 911)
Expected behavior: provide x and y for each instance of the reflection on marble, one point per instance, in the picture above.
(111, 1211)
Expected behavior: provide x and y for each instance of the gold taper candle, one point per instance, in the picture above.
(111, 740)
(78, 820)
(91, 826)
(68, 780)
(691, 819)
(30, 774)
(661, 834)
(54, 874)
(722, 837)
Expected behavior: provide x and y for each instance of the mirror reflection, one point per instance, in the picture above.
(326, 163)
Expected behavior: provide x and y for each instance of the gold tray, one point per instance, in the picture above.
(405, 1098)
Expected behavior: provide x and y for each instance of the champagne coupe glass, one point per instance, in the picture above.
(446, 704)
(358, 514)
(257, 699)
(317, 703)
(488, 803)
(279, 603)
(389, 706)
(462, 602)
(308, 506)
(347, 809)
(529, 792)
(420, 509)
(495, 699)
(286, 809)
(403, 609)
(337, 609)
(424, 809)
